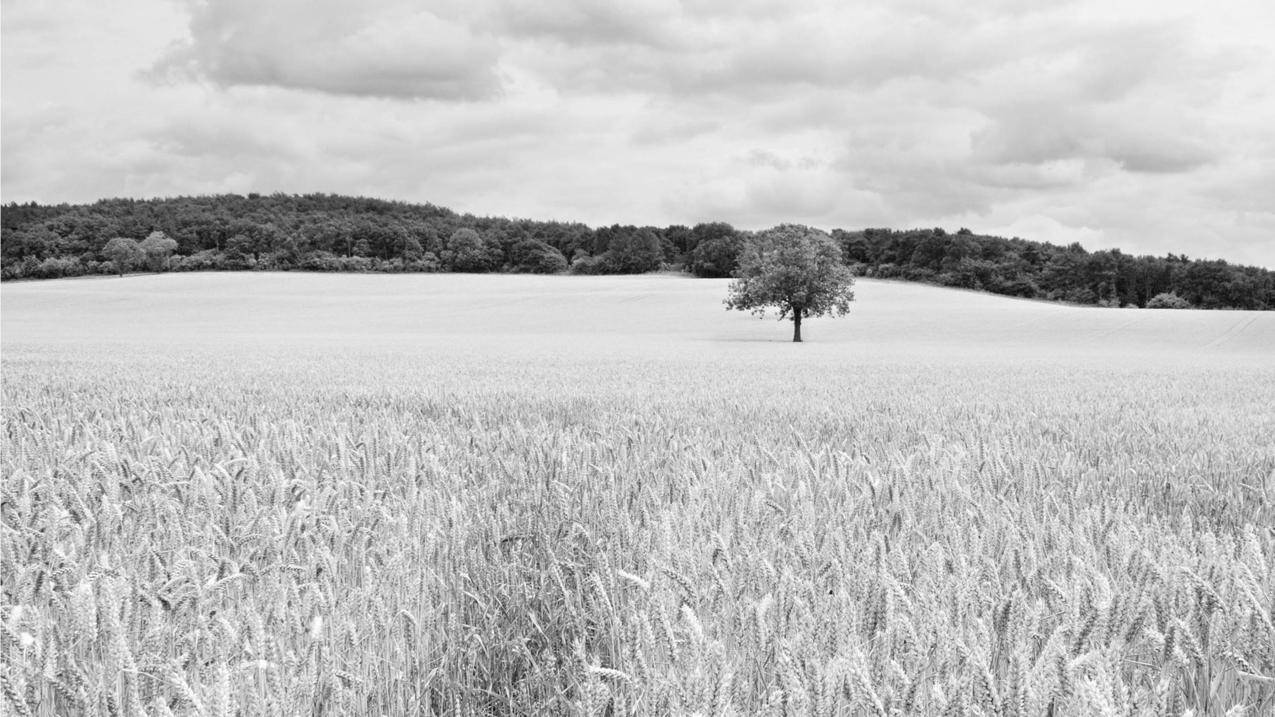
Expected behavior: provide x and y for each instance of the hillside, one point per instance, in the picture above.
(554, 315)
(332, 233)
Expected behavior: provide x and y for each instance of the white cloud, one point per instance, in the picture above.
(375, 49)
(1145, 125)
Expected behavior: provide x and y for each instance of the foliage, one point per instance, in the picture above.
(584, 264)
(536, 257)
(794, 269)
(1168, 301)
(123, 253)
(157, 247)
(467, 251)
(1040, 270)
(631, 251)
(291, 232)
(716, 250)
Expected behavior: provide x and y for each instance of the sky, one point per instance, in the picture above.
(1147, 125)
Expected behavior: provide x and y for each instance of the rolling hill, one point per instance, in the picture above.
(656, 315)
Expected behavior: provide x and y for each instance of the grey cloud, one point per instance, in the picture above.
(1032, 176)
(592, 22)
(1135, 142)
(1246, 188)
(1114, 62)
(375, 50)
(782, 196)
(760, 157)
(193, 137)
(1031, 135)
(941, 191)
(737, 50)
(1164, 157)
(1096, 118)
(662, 131)
(251, 140)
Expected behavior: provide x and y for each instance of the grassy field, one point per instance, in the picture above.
(440, 494)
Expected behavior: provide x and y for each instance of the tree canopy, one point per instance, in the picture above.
(328, 232)
(123, 252)
(157, 247)
(468, 251)
(795, 270)
(1168, 301)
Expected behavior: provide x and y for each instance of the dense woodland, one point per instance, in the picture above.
(322, 232)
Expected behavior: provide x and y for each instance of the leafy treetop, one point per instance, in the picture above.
(795, 269)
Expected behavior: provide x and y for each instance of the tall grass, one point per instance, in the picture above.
(331, 535)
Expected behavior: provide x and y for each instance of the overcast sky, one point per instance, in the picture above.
(1148, 125)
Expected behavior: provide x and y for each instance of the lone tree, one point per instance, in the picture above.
(1168, 300)
(795, 269)
(123, 252)
(157, 247)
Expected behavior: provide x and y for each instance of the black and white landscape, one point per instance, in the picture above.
(378, 358)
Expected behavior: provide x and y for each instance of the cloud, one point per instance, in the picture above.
(1144, 124)
(665, 131)
(374, 49)
(1136, 142)
(591, 23)
(1049, 229)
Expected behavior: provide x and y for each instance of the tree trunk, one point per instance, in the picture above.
(796, 325)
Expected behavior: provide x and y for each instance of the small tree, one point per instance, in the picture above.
(467, 251)
(157, 247)
(1168, 300)
(716, 252)
(536, 257)
(794, 269)
(123, 252)
(632, 252)
(412, 249)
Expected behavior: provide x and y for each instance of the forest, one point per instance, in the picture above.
(325, 232)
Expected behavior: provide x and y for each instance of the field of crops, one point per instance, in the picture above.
(480, 495)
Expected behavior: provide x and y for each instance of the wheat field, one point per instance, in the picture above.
(486, 495)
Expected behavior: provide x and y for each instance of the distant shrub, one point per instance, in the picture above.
(56, 267)
(468, 251)
(123, 253)
(1079, 296)
(354, 263)
(717, 256)
(1168, 300)
(1019, 285)
(273, 261)
(632, 253)
(235, 260)
(585, 264)
(206, 260)
(917, 273)
(887, 270)
(325, 261)
(533, 256)
(319, 261)
(157, 247)
(428, 262)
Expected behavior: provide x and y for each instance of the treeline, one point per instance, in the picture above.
(1039, 270)
(322, 232)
